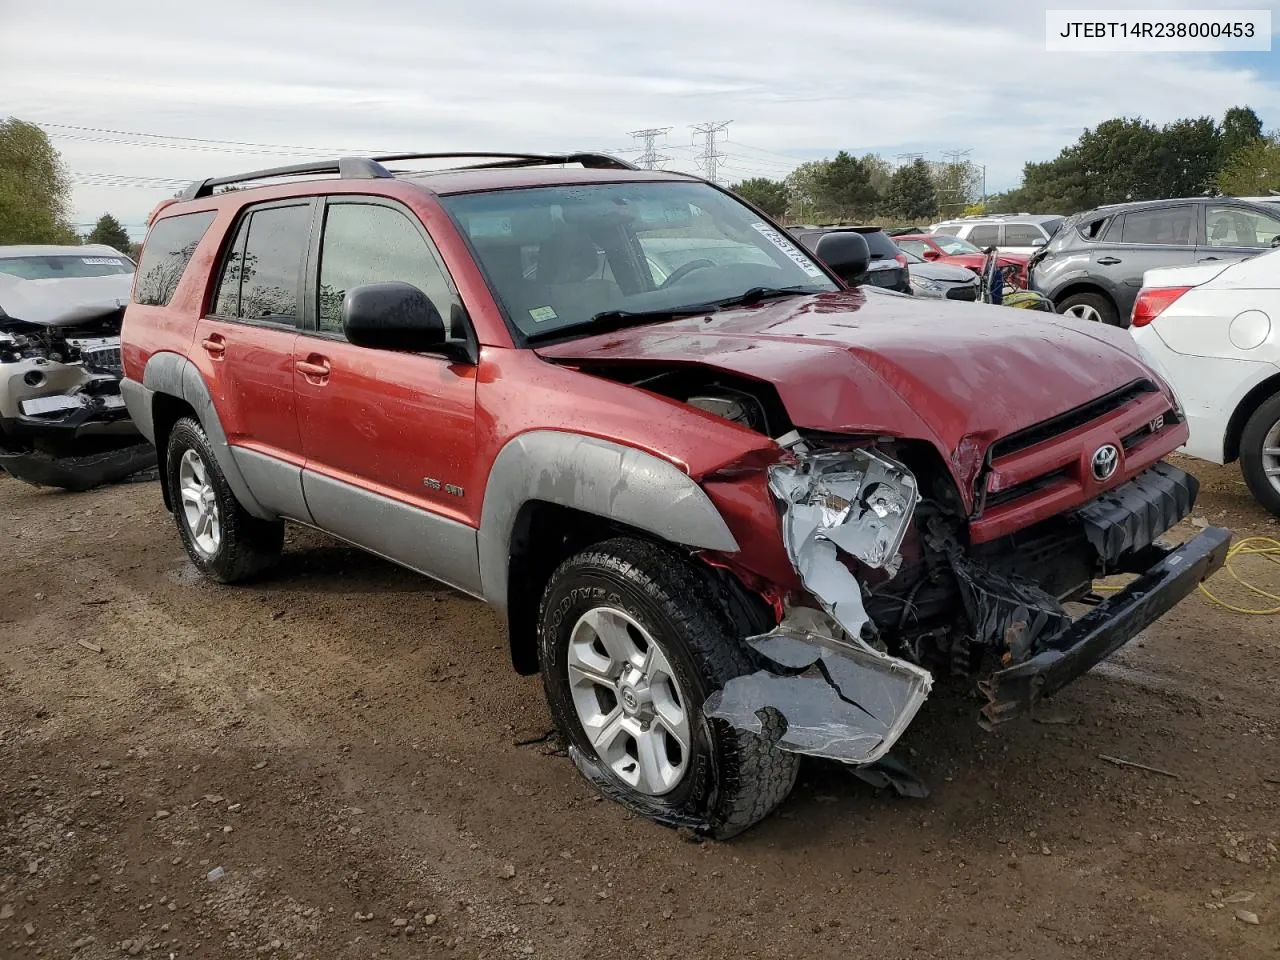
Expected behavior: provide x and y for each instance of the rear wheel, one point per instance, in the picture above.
(631, 644)
(1260, 454)
(1092, 307)
(223, 540)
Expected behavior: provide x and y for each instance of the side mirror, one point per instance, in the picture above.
(845, 252)
(1038, 242)
(392, 316)
(931, 254)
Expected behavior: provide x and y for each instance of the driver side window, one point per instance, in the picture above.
(370, 243)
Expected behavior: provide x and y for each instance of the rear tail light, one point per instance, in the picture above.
(1153, 301)
(902, 260)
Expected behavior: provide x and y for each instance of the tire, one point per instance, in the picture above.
(242, 546)
(1091, 306)
(731, 779)
(1262, 432)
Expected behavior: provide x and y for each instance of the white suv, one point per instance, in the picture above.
(1012, 233)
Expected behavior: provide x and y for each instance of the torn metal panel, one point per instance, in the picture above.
(849, 703)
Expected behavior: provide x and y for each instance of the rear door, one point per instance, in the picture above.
(389, 436)
(1144, 240)
(1235, 231)
(244, 348)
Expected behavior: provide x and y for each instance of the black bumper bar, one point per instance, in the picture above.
(78, 473)
(1106, 628)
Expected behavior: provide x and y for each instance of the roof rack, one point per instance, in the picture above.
(371, 168)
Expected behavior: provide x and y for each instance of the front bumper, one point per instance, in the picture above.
(1106, 628)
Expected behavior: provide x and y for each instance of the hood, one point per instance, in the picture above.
(942, 272)
(959, 375)
(63, 302)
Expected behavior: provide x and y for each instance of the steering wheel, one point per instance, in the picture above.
(682, 271)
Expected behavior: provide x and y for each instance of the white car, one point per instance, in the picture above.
(1020, 233)
(1213, 331)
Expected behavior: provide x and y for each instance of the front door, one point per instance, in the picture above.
(1159, 237)
(244, 348)
(389, 436)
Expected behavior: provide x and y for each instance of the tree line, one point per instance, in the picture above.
(1118, 160)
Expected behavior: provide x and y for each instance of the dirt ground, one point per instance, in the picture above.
(347, 746)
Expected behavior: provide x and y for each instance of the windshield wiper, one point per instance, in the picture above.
(616, 319)
(757, 294)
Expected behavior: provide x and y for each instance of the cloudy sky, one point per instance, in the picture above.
(175, 91)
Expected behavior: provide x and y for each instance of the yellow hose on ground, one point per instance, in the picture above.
(1264, 547)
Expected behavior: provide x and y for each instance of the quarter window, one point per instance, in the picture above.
(984, 236)
(165, 255)
(1021, 235)
(1237, 227)
(370, 243)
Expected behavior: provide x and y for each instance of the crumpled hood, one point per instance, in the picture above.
(64, 301)
(957, 374)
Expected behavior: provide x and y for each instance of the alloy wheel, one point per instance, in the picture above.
(199, 503)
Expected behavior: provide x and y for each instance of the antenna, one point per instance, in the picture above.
(650, 159)
(709, 159)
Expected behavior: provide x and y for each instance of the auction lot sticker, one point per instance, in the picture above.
(1157, 31)
(789, 248)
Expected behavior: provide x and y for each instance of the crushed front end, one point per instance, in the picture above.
(904, 583)
(63, 422)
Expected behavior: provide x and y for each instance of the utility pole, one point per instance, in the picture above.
(650, 159)
(906, 158)
(709, 159)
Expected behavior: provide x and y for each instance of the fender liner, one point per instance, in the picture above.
(175, 375)
(593, 476)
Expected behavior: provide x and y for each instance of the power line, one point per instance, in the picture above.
(709, 159)
(649, 159)
(205, 140)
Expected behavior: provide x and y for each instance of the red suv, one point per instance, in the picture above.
(733, 510)
(941, 248)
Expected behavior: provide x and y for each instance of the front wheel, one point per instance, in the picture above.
(631, 643)
(1260, 454)
(1091, 307)
(223, 540)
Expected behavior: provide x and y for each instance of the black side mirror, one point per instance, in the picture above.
(845, 252)
(392, 316)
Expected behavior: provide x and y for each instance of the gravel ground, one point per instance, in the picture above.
(339, 763)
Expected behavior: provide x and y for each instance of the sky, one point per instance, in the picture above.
(179, 91)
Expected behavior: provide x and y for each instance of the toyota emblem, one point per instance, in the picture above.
(1105, 461)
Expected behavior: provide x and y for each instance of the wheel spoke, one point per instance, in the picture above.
(202, 525)
(1271, 451)
(605, 736)
(654, 771)
(190, 493)
(612, 631)
(670, 714)
(1273, 471)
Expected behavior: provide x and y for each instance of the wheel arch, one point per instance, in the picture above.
(175, 389)
(1085, 286)
(550, 494)
(1245, 409)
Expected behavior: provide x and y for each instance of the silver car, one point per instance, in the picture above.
(940, 280)
(63, 422)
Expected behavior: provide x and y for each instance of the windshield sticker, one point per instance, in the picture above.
(542, 314)
(112, 261)
(489, 225)
(789, 248)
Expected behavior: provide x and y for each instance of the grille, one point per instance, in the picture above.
(1093, 410)
(103, 358)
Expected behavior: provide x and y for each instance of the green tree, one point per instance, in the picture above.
(769, 195)
(108, 230)
(1240, 128)
(910, 195)
(803, 192)
(1252, 170)
(845, 188)
(955, 184)
(1188, 158)
(35, 190)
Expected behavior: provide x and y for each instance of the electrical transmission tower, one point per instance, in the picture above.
(709, 159)
(650, 159)
(905, 158)
(956, 156)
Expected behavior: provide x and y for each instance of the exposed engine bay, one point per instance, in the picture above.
(63, 422)
(898, 597)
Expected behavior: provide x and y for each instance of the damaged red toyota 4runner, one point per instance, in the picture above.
(733, 510)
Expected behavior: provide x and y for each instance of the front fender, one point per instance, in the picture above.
(597, 477)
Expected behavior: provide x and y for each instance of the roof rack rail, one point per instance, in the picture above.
(596, 161)
(348, 168)
(371, 168)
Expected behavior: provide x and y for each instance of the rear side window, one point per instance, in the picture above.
(985, 236)
(881, 247)
(165, 255)
(949, 230)
(262, 269)
(1022, 235)
(1174, 226)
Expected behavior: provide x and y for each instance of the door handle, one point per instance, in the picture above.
(314, 368)
(1207, 259)
(215, 345)
(1108, 261)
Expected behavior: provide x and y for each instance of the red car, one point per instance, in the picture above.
(940, 248)
(732, 509)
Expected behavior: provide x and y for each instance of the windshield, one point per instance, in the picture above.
(952, 246)
(557, 257)
(59, 266)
